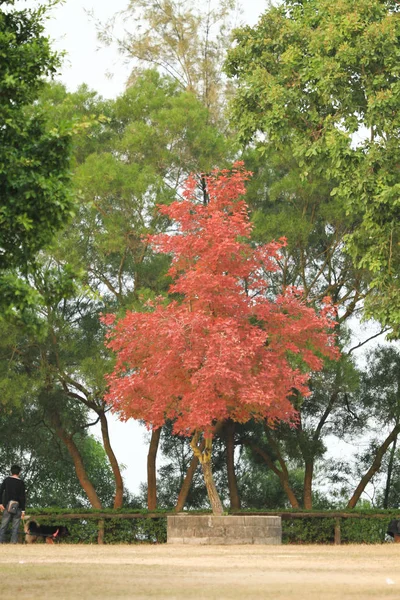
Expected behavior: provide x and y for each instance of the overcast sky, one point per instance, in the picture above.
(103, 69)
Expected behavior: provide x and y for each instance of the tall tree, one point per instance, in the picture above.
(31, 360)
(296, 92)
(225, 350)
(34, 153)
(379, 400)
(184, 40)
(321, 80)
(26, 438)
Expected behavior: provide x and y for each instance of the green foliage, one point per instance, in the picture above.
(322, 531)
(135, 155)
(308, 531)
(307, 75)
(320, 80)
(121, 531)
(84, 529)
(184, 40)
(259, 488)
(47, 468)
(34, 151)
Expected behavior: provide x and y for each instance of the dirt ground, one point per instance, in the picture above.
(224, 572)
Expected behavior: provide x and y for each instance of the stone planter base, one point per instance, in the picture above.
(225, 530)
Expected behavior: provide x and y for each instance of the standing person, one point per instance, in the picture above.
(12, 488)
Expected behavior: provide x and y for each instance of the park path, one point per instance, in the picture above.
(214, 572)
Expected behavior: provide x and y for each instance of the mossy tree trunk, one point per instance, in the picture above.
(187, 482)
(205, 461)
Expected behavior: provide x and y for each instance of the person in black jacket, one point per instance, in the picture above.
(12, 488)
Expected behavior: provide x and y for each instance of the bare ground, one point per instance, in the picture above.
(223, 572)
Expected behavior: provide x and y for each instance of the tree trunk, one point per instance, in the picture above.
(389, 474)
(309, 450)
(373, 468)
(151, 469)
(80, 470)
(230, 464)
(187, 482)
(213, 495)
(308, 477)
(205, 460)
(119, 485)
(282, 474)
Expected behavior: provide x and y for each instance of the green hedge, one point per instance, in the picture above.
(116, 531)
(321, 531)
(309, 530)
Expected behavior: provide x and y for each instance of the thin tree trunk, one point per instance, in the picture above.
(119, 485)
(230, 464)
(282, 474)
(307, 489)
(187, 482)
(151, 469)
(389, 473)
(84, 398)
(308, 451)
(205, 460)
(80, 470)
(374, 468)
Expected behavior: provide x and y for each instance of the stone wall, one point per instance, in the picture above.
(229, 529)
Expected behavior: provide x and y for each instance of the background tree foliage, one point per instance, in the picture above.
(321, 80)
(34, 151)
(182, 39)
(47, 468)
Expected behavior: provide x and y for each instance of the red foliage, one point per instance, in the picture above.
(225, 348)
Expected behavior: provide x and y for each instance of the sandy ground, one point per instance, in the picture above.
(231, 572)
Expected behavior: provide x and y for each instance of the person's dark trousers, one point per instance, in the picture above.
(16, 519)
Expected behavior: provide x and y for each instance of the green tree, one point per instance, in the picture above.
(29, 365)
(48, 470)
(34, 152)
(186, 41)
(320, 80)
(295, 107)
(378, 400)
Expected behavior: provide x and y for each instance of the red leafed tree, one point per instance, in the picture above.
(223, 347)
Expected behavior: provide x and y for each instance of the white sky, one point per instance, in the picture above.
(103, 69)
